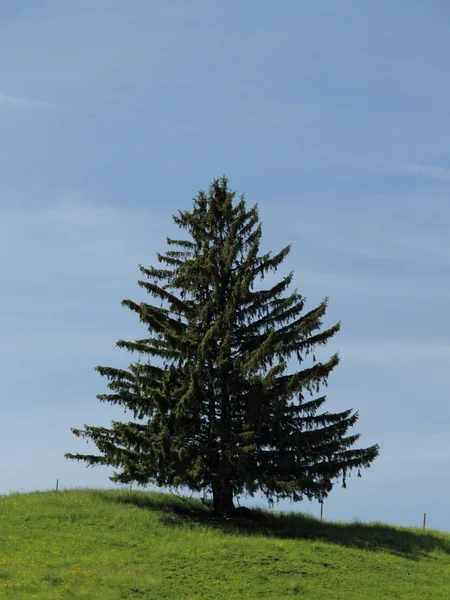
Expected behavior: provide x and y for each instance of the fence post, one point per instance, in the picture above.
(424, 520)
(57, 481)
(321, 511)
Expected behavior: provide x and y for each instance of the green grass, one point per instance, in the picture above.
(112, 545)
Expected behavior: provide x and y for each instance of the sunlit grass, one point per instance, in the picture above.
(120, 544)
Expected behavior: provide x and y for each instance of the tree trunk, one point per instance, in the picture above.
(223, 498)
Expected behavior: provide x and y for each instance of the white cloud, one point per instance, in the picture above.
(440, 173)
(19, 101)
(399, 166)
(382, 229)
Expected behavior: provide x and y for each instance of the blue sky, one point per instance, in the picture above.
(334, 117)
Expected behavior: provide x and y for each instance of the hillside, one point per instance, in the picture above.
(111, 545)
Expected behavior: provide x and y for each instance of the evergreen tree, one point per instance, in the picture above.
(219, 413)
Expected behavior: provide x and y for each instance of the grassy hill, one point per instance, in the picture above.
(112, 545)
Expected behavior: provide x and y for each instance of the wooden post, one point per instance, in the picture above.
(424, 520)
(321, 511)
(57, 481)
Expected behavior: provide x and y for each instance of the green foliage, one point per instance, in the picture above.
(219, 413)
(116, 545)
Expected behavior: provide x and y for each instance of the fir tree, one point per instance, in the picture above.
(213, 406)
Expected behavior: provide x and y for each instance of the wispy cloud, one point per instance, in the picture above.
(376, 234)
(20, 101)
(440, 173)
(398, 166)
(34, 103)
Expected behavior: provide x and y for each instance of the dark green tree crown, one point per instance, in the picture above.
(213, 406)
